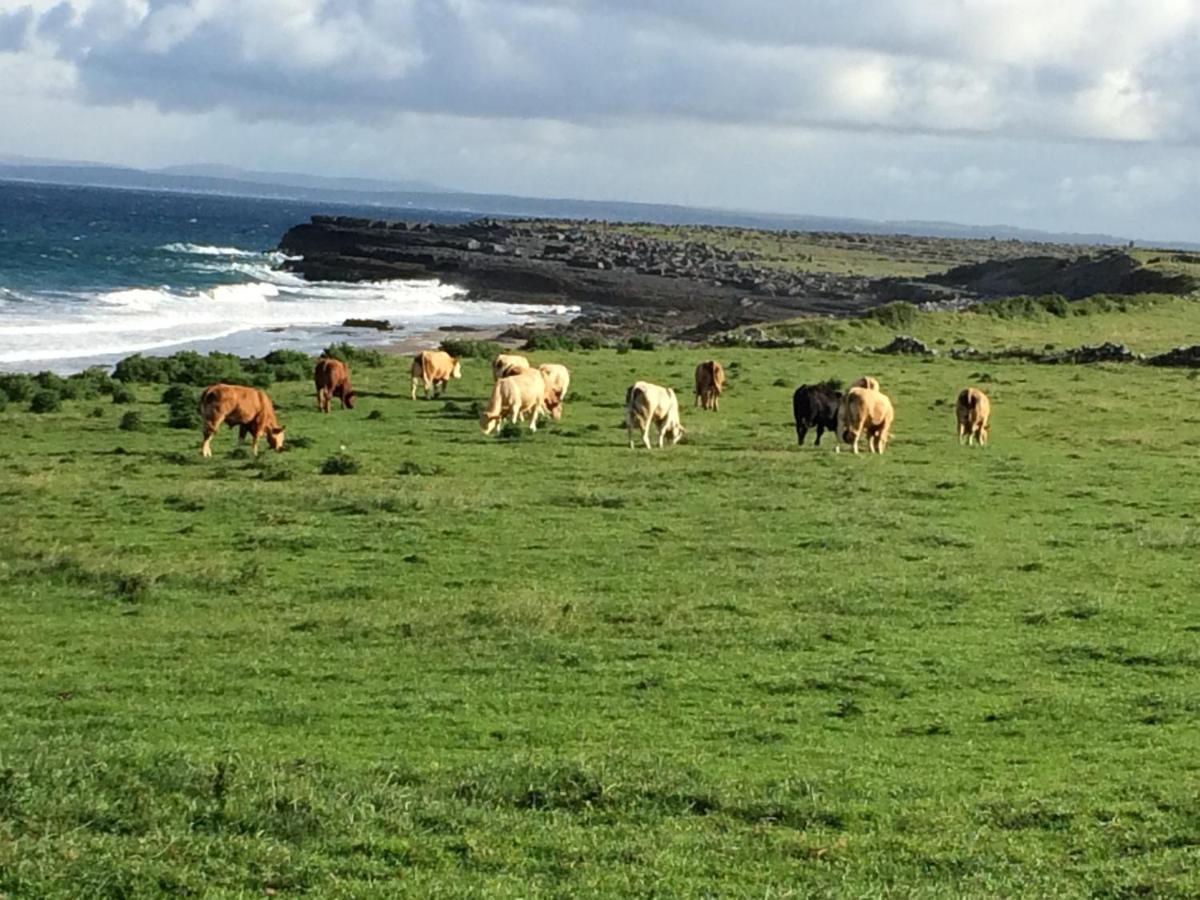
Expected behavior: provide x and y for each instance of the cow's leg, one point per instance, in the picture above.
(962, 434)
(533, 418)
(646, 434)
(254, 443)
(716, 403)
(857, 435)
(210, 428)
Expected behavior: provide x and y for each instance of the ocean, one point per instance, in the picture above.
(89, 275)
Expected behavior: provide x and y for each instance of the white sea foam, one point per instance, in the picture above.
(89, 326)
(208, 250)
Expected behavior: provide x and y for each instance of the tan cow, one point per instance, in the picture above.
(517, 395)
(433, 369)
(247, 407)
(865, 410)
(332, 378)
(973, 410)
(710, 381)
(508, 364)
(650, 404)
(558, 378)
(867, 382)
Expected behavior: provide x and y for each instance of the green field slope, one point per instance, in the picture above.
(556, 667)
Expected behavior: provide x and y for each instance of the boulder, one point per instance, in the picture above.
(903, 344)
(377, 324)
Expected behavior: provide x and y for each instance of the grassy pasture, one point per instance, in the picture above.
(552, 666)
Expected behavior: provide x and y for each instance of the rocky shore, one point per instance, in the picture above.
(687, 288)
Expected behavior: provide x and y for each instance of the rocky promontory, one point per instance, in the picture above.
(693, 282)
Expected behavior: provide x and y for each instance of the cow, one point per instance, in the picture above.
(332, 378)
(558, 378)
(973, 409)
(816, 406)
(710, 381)
(864, 410)
(524, 392)
(433, 369)
(248, 408)
(508, 364)
(650, 404)
(867, 382)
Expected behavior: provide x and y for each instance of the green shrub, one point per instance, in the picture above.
(45, 401)
(550, 342)
(139, 368)
(464, 349)
(123, 393)
(341, 463)
(183, 402)
(591, 342)
(131, 421)
(17, 387)
(354, 356)
(642, 342)
(899, 314)
(177, 393)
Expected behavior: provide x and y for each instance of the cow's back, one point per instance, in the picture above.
(330, 372)
(236, 404)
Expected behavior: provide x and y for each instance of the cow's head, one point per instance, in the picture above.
(553, 403)
(487, 423)
(847, 436)
(275, 438)
(673, 432)
(348, 398)
(456, 372)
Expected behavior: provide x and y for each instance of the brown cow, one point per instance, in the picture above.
(516, 395)
(558, 378)
(332, 378)
(433, 369)
(973, 410)
(710, 381)
(247, 407)
(867, 382)
(863, 409)
(508, 364)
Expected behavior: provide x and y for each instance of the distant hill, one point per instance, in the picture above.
(217, 179)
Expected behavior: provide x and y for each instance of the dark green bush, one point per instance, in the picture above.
(340, 464)
(123, 393)
(550, 342)
(17, 387)
(642, 342)
(44, 401)
(464, 349)
(591, 342)
(177, 393)
(131, 421)
(354, 356)
(183, 402)
(899, 314)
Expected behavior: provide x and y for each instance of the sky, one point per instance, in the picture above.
(1065, 115)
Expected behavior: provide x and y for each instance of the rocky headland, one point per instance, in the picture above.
(687, 287)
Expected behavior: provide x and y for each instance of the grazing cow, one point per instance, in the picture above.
(433, 369)
(508, 364)
(816, 406)
(523, 392)
(973, 410)
(867, 382)
(332, 378)
(863, 409)
(649, 404)
(558, 378)
(710, 381)
(248, 408)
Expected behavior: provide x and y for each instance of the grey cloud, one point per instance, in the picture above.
(907, 66)
(14, 29)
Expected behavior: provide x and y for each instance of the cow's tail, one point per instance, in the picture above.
(967, 399)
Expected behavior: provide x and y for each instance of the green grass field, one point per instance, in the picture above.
(556, 667)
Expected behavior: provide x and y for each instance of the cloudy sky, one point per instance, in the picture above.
(1059, 114)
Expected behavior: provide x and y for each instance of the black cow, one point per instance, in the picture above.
(816, 406)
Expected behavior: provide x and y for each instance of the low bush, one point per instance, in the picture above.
(354, 356)
(44, 401)
(899, 314)
(551, 342)
(17, 387)
(131, 421)
(466, 349)
(123, 393)
(341, 463)
(642, 342)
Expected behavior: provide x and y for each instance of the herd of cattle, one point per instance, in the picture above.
(522, 391)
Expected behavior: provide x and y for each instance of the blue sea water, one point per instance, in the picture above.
(88, 275)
